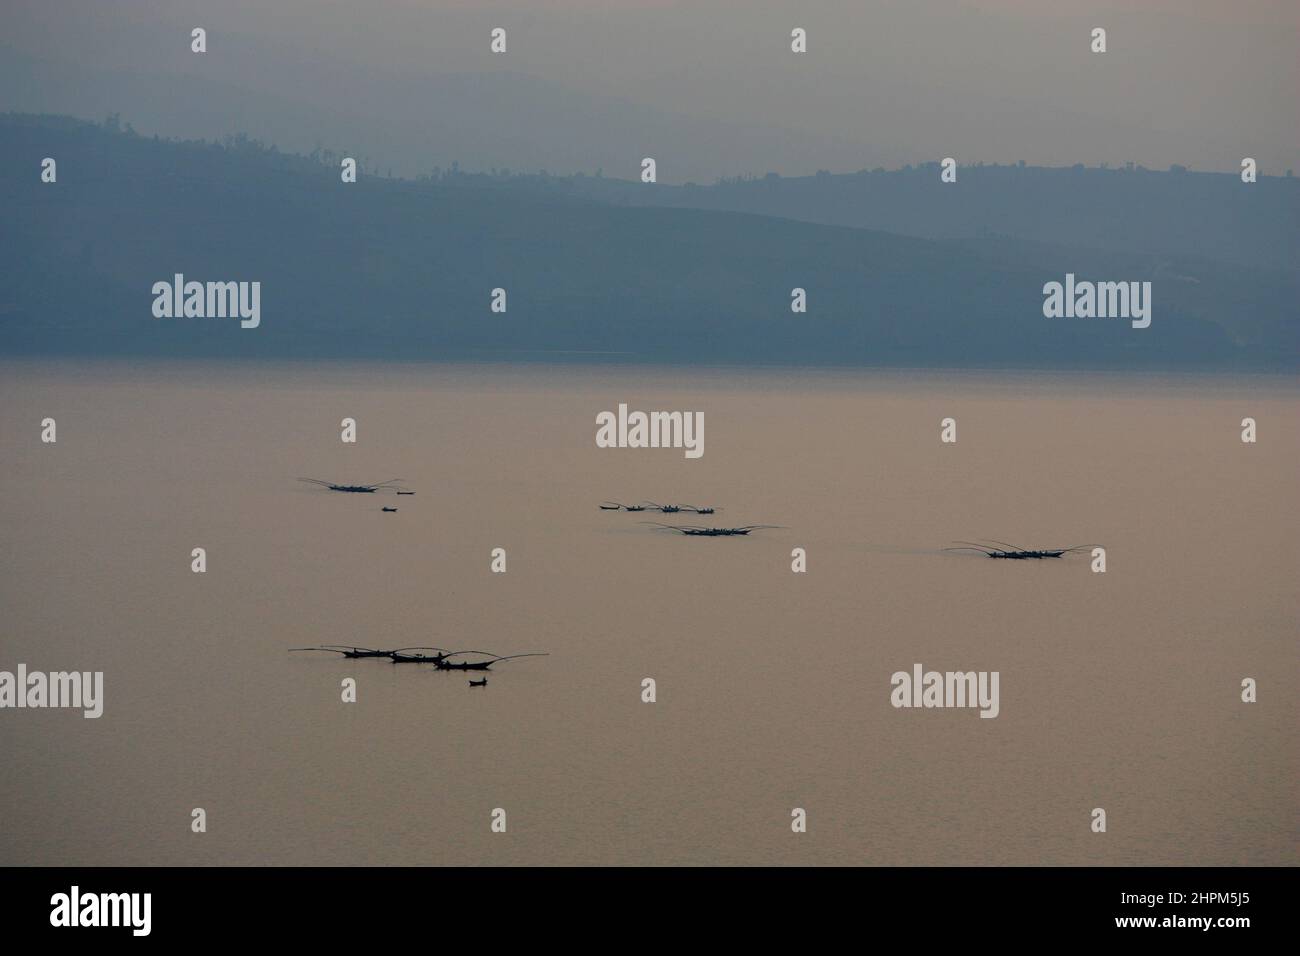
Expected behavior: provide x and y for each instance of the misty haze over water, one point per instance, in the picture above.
(945, 218)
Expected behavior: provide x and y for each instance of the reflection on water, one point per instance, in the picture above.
(1117, 690)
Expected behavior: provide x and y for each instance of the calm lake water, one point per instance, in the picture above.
(1118, 690)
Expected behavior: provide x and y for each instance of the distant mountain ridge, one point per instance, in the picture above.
(414, 121)
(405, 269)
(1174, 212)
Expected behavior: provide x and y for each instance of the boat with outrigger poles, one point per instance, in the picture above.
(703, 531)
(347, 650)
(449, 665)
(392, 484)
(442, 659)
(1012, 552)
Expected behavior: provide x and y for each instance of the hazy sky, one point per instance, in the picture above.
(1199, 82)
